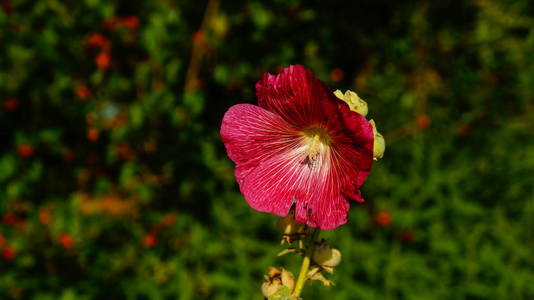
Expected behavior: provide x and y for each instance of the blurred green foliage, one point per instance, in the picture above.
(114, 183)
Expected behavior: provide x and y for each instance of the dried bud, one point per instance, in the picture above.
(289, 226)
(273, 272)
(326, 256)
(379, 143)
(355, 103)
(291, 229)
(276, 280)
(287, 279)
(269, 288)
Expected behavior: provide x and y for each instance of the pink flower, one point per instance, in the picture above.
(301, 147)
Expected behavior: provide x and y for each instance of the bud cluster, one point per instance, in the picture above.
(325, 258)
(277, 281)
(280, 283)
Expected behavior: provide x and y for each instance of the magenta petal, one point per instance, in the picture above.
(296, 95)
(329, 212)
(283, 180)
(254, 136)
(251, 134)
(271, 171)
(355, 149)
(274, 186)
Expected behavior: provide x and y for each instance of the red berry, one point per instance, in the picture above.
(102, 60)
(337, 74)
(97, 40)
(83, 92)
(112, 23)
(10, 104)
(423, 122)
(198, 37)
(464, 129)
(168, 220)
(407, 237)
(150, 240)
(65, 240)
(69, 155)
(8, 253)
(131, 22)
(93, 134)
(383, 218)
(125, 152)
(45, 217)
(25, 150)
(9, 219)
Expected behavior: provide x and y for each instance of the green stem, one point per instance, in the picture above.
(305, 265)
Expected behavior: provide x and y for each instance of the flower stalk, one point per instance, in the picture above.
(303, 275)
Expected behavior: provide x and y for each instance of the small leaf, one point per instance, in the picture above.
(283, 293)
(286, 251)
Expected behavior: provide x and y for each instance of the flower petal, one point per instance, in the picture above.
(355, 147)
(296, 95)
(251, 133)
(286, 179)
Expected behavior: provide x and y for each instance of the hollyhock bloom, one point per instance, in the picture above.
(10, 219)
(8, 253)
(383, 218)
(10, 104)
(25, 150)
(111, 23)
(407, 236)
(66, 241)
(98, 40)
(131, 22)
(423, 122)
(198, 37)
(102, 60)
(93, 134)
(336, 74)
(45, 217)
(464, 129)
(301, 147)
(150, 240)
(83, 92)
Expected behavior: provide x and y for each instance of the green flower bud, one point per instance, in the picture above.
(355, 103)
(379, 143)
(326, 256)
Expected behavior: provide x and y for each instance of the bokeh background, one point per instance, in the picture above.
(114, 183)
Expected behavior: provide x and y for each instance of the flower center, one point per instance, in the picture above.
(316, 140)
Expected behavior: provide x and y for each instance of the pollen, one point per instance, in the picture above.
(316, 140)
